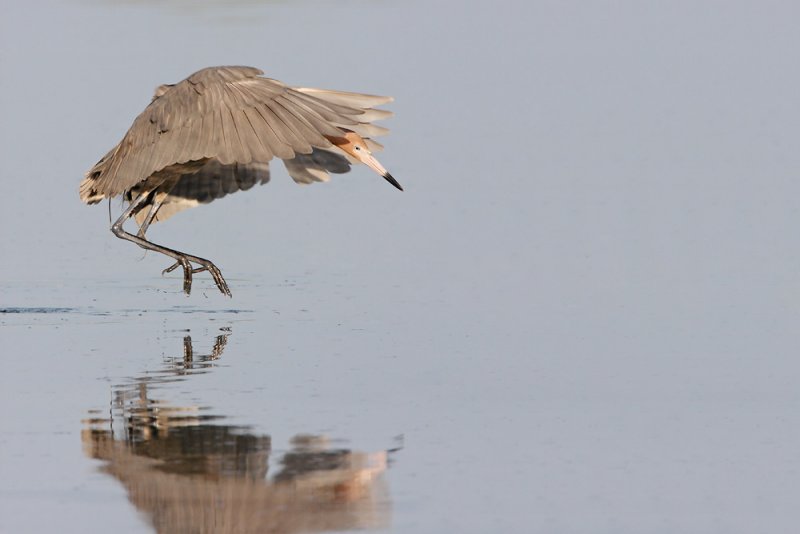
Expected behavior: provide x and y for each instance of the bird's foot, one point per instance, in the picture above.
(182, 261)
(188, 271)
(217, 275)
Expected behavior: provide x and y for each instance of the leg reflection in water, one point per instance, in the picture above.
(188, 472)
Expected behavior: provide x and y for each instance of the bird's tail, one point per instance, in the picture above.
(87, 189)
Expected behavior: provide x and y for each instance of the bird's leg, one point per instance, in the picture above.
(181, 259)
(157, 200)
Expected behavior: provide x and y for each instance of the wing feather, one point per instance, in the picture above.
(314, 167)
(262, 131)
(232, 115)
(371, 115)
(220, 146)
(315, 115)
(248, 136)
(289, 128)
(369, 130)
(329, 111)
(276, 141)
(211, 127)
(344, 98)
(193, 139)
(211, 182)
(303, 122)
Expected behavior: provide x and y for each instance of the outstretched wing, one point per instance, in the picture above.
(232, 115)
(211, 182)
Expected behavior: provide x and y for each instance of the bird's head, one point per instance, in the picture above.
(354, 145)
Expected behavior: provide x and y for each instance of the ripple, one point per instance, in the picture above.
(38, 310)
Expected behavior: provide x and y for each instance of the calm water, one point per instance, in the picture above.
(580, 316)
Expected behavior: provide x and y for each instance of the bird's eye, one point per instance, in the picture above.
(358, 148)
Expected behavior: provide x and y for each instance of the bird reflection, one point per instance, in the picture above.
(189, 472)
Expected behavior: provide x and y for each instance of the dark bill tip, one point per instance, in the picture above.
(391, 180)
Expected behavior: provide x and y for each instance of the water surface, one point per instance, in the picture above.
(580, 316)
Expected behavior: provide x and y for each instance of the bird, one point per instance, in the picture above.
(214, 133)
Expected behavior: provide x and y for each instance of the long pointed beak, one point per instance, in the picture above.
(391, 180)
(376, 166)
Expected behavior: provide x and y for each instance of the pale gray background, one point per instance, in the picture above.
(582, 313)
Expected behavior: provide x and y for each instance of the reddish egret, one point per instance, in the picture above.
(214, 133)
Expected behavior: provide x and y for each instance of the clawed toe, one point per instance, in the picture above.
(188, 271)
(171, 268)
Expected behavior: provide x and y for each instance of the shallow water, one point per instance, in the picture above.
(580, 316)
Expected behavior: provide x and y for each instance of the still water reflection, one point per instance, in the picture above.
(187, 471)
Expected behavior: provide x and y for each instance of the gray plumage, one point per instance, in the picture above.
(232, 115)
(214, 133)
